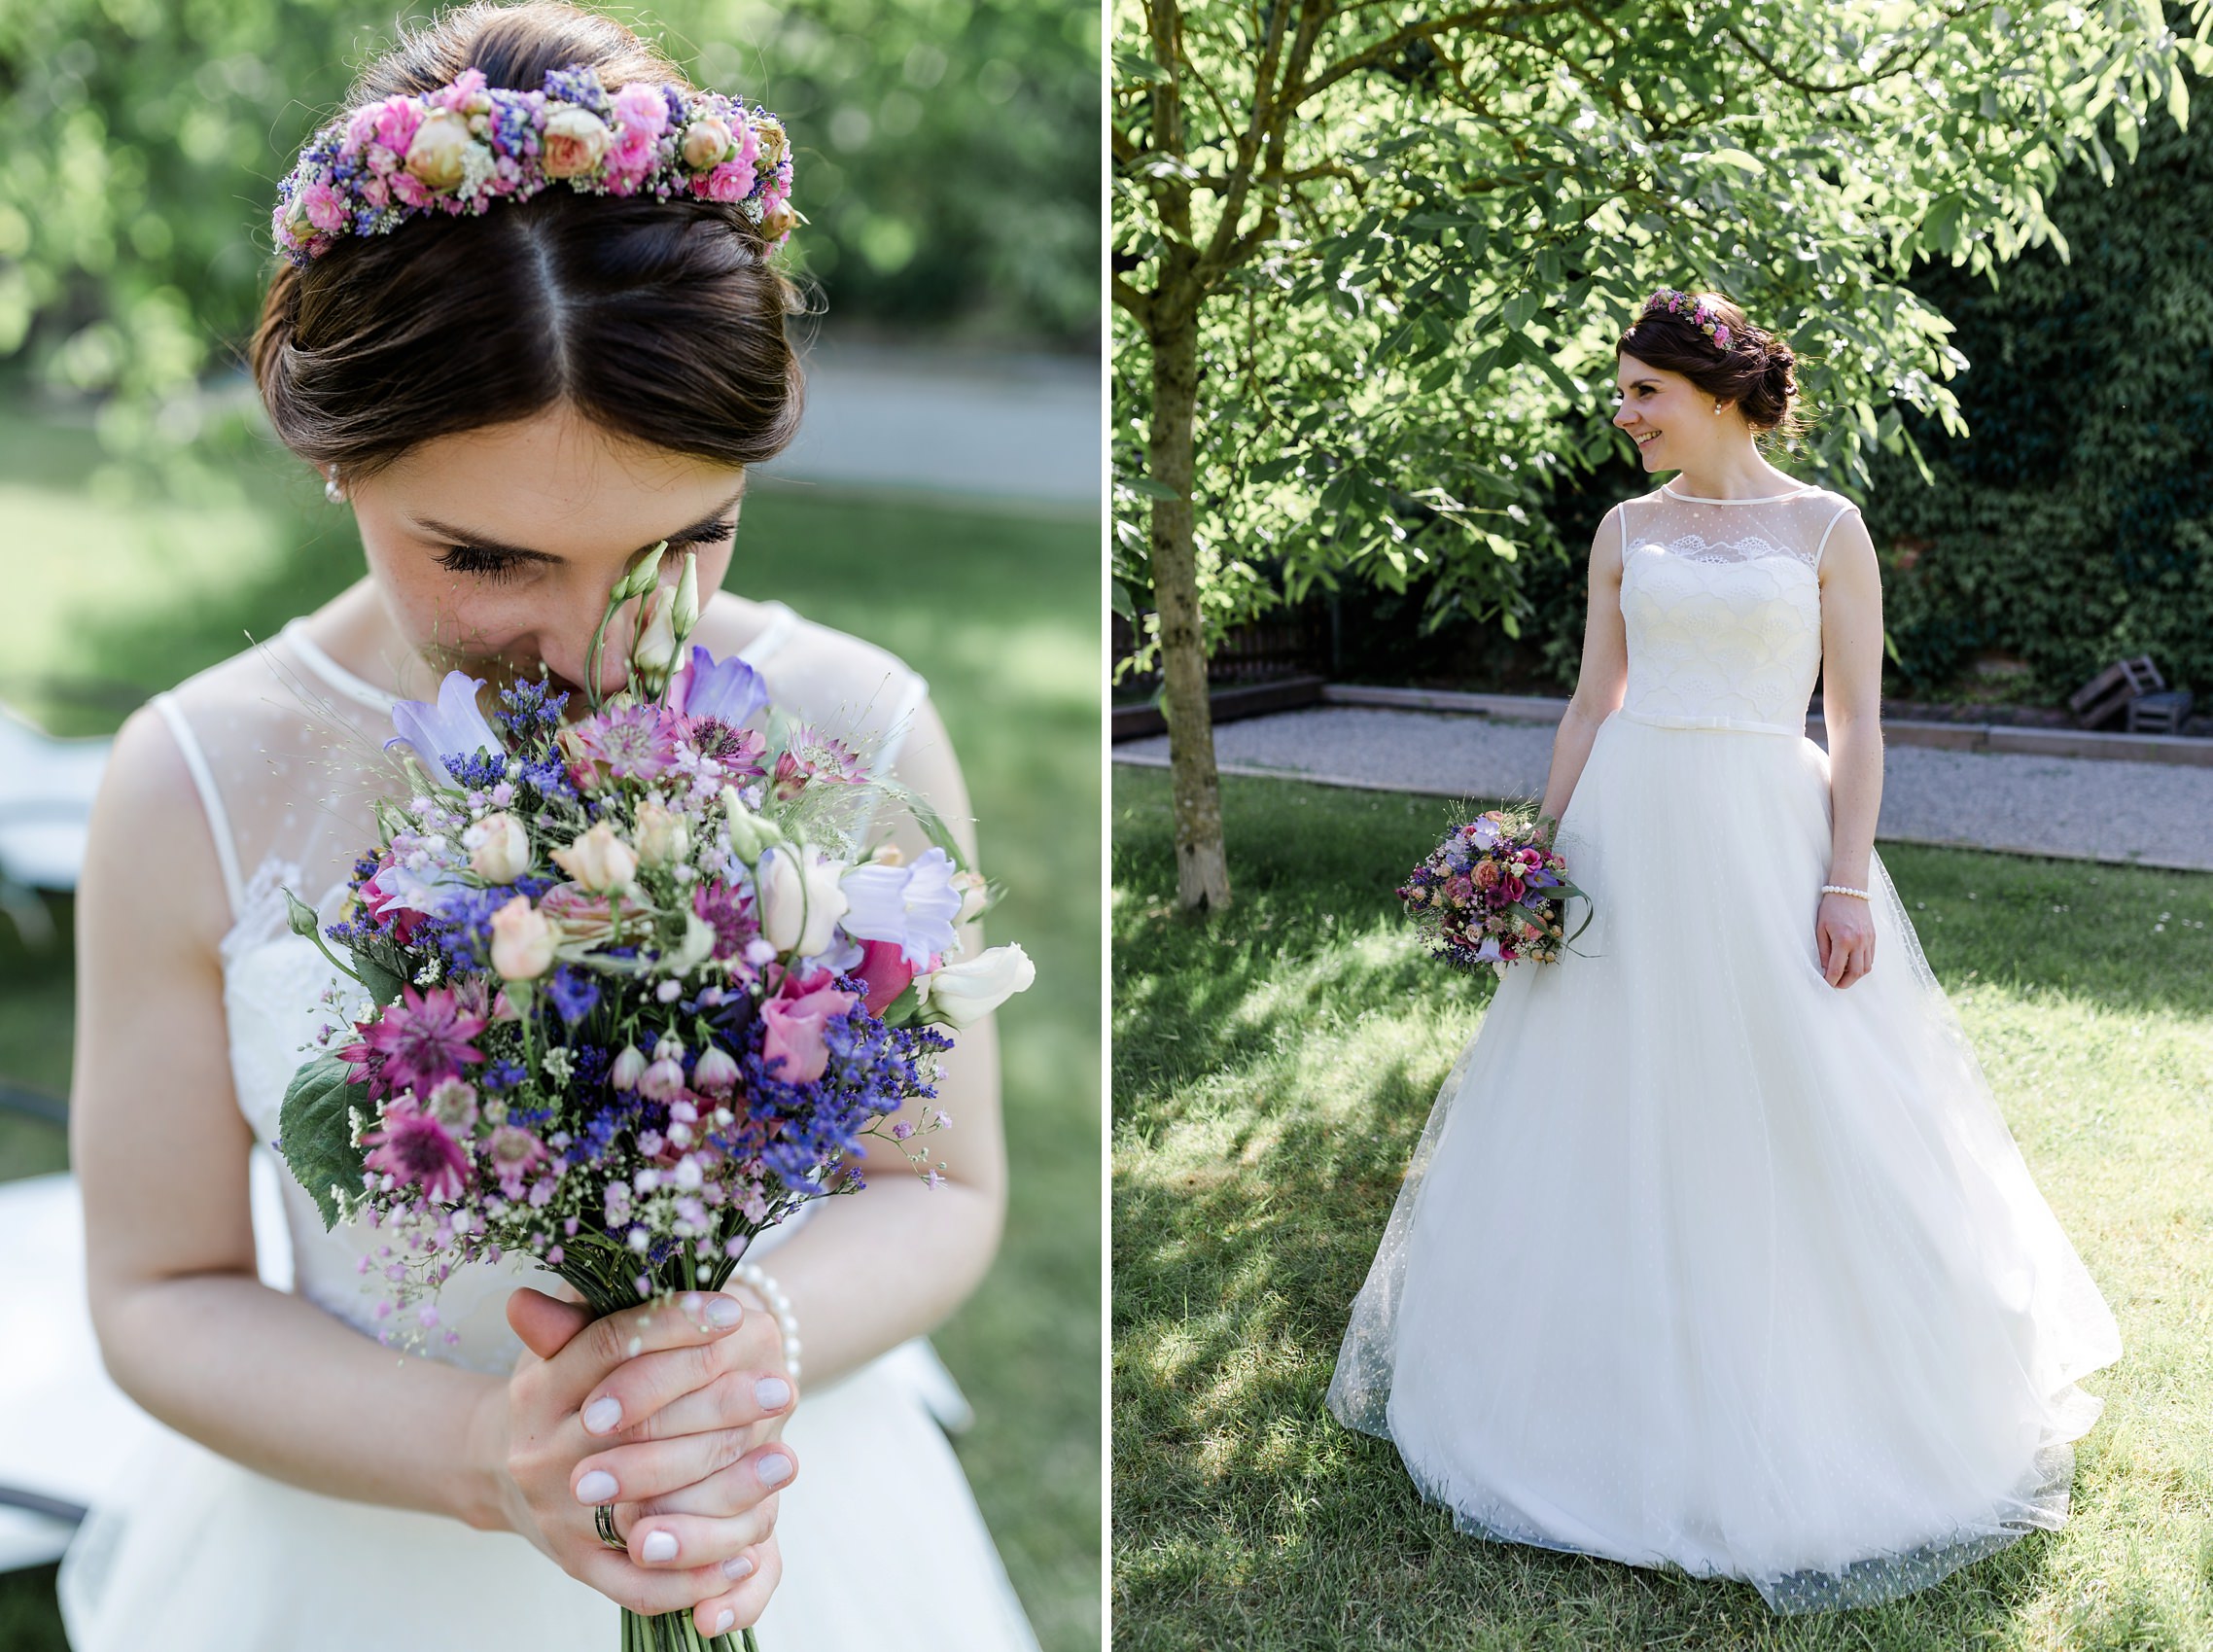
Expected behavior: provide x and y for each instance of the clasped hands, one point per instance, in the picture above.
(673, 1412)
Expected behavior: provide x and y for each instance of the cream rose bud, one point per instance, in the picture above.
(706, 141)
(975, 894)
(800, 901)
(498, 848)
(971, 988)
(435, 152)
(522, 941)
(575, 142)
(599, 861)
(662, 836)
(654, 651)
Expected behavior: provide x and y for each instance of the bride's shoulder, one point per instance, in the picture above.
(804, 658)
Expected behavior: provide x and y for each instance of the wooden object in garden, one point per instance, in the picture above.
(2107, 695)
(2159, 712)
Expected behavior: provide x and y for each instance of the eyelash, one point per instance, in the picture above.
(491, 565)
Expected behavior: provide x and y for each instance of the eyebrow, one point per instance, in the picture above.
(483, 541)
(1639, 383)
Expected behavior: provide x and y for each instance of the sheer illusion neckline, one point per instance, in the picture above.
(781, 620)
(1668, 489)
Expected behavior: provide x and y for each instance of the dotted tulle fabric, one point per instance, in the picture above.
(1701, 1262)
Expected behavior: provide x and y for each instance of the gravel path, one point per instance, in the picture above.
(2152, 814)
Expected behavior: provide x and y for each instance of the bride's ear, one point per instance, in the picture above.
(545, 1324)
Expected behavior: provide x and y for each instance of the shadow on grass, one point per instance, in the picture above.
(1273, 1065)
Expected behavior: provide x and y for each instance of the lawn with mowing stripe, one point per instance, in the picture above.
(1272, 1066)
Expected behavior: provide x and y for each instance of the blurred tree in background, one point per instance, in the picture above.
(947, 158)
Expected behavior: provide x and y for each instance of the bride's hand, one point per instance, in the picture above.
(1844, 931)
(687, 1448)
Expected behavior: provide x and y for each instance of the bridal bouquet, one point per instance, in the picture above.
(625, 1002)
(1494, 892)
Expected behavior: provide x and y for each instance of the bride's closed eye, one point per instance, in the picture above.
(500, 566)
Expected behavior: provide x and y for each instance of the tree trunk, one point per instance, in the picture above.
(1201, 870)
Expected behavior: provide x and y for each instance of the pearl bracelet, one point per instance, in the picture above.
(1844, 888)
(779, 1305)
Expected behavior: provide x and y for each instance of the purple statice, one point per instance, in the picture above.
(574, 992)
(530, 715)
(581, 86)
(500, 1076)
(478, 772)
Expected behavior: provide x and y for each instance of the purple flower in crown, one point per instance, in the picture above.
(454, 726)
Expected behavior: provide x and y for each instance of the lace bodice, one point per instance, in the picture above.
(284, 746)
(1722, 603)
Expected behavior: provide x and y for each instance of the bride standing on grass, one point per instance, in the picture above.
(1716, 1251)
(515, 402)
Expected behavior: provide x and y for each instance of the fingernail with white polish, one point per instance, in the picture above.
(660, 1546)
(725, 1311)
(723, 1623)
(737, 1566)
(597, 1487)
(773, 1392)
(774, 1470)
(602, 1415)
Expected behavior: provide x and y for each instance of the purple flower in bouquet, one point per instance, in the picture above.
(727, 691)
(454, 727)
(913, 905)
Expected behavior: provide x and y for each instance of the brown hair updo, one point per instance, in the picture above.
(659, 321)
(1757, 371)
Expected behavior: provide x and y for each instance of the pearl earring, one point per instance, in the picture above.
(1717, 406)
(333, 492)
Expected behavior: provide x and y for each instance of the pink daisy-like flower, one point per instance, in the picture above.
(633, 742)
(424, 1038)
(514, 1152)
(415, 1151)
(813, 756)
(736, 752)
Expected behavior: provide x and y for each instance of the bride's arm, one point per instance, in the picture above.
(869, 1270)
(186, 1327)
(1604, 674)
(1851, 705)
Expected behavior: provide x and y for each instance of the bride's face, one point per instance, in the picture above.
(497, 547)
(1669, 418)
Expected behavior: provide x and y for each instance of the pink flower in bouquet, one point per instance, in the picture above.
(586, 918)
(514, 1152)
(716, 1072)
(885, 971)
(730, 912)
(414, 1151)
(424, 1038)
(793, 1047)
(633, 742)
(811, 756)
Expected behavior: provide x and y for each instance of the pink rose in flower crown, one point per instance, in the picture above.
(706, 141)
(322, 206)
(641, 117)
(435, 155)
(793, 1047)
(732, 181)
(575, 143)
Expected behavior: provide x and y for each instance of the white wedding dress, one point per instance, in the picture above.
(881, 1541)
(1701, 1261)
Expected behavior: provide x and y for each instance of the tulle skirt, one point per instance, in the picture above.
(882, 1542)
(1702, 1262)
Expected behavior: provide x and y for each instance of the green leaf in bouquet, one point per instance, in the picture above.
(382, 979)
(904, 1008)
(315, 1132)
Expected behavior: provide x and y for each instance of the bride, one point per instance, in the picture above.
(1716, 1251)
(515, 402)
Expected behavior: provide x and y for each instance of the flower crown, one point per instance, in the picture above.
(463, 145)
(1701, 314)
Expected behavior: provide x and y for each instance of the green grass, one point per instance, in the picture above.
(112, 597)
(1272, 1068)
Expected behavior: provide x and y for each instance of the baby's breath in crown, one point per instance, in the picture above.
(467, 145)
(1670, 301)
